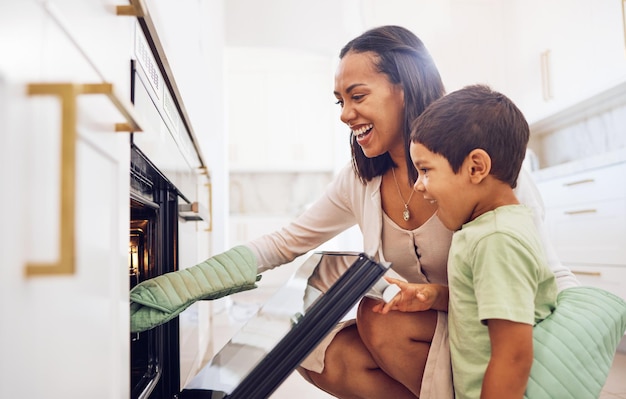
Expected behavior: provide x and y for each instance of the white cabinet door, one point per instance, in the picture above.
(610, 278)
(585, 187)
(63, 335)
(586, 220)
(587, 50)
(102, 35)
(590, 233)
(563, 52)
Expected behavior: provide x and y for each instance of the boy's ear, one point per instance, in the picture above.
(479, 165)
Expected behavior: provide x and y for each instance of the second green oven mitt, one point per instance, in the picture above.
(574, 347)
(160, 299)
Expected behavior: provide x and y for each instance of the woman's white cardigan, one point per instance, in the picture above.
(347, 201)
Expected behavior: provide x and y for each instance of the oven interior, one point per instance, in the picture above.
(152, 252)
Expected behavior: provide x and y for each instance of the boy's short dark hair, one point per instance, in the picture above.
(475, 117)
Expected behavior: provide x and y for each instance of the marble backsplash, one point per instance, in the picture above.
(602, 133)
(263, 202)
(275, 193)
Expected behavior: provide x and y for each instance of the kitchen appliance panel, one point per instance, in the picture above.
(172, 147)
(165, 185)
(157, 142)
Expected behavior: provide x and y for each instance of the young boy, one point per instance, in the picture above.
(468, 148)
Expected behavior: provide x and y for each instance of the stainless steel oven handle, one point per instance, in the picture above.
(151, 385)
(193, 212)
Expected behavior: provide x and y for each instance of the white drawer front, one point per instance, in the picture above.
(598, 184)
(592, 233)
(610, 278)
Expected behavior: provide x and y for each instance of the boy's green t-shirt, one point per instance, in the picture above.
(496, 270)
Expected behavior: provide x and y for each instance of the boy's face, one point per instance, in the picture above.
(440, 185)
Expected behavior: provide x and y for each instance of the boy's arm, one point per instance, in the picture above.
(511, 359)
(415, 297)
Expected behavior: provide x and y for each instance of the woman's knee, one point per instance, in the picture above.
(371, 325)
(347, 351)
(374, 328)
(346, 363)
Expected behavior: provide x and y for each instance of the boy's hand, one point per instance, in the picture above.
(414, 298)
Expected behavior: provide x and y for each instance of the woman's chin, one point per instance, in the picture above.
(371, 152)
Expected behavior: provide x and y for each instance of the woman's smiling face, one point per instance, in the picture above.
(371, 105)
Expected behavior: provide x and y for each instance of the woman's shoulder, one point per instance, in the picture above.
(349, 189)
(347, 176)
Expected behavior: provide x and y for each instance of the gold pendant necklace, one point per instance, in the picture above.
(406, 215)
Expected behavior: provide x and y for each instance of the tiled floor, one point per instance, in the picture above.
(615, 386)
(296, 387)
(231, 312)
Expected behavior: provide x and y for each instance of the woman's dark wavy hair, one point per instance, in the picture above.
(401, 56)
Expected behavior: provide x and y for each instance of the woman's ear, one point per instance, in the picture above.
(479, 165)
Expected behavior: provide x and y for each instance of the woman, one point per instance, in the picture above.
(384, 80)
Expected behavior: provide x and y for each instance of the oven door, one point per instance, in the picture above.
(271, 345)
(153, 251)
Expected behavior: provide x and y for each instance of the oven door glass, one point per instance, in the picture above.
(264, 352)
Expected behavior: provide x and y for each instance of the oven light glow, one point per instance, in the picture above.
(133, 259)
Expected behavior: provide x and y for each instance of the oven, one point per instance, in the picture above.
(166, 173)
(152, 251)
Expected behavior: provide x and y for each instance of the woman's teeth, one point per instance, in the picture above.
(359, 133)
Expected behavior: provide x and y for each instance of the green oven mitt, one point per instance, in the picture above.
(574, 347)
(160, 299)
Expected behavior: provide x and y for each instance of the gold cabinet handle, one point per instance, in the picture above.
(580, 211)
(546, 80)
(209, 186)
(67, 93)
(585, 273)
(132, 124)
(577, 182)
(205, 171)
(624, 21)
(136, 8)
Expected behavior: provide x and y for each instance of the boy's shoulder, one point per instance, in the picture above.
(513, 220)
(503, 217)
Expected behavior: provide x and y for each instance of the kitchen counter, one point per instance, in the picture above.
(584, 164)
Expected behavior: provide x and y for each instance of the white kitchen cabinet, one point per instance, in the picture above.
(101, 34)
(280, 107)
(586, 219)
(64, 332)
(580, 188)
(590, 232)
(563, 52)
(610, 278)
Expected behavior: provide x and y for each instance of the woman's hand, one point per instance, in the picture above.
(415, 297)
